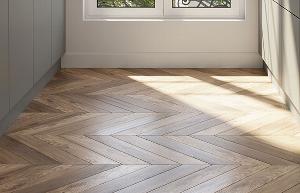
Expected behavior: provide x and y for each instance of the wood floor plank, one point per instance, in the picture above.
(135, 177)
(162, 179)
(235, 147)
(257, 143)
(230, 125)
(74, 174)
(122, 104)
(294, 189)
(99, 178)
(48, 150)
(137, 122)
(9, 157)
(281, 184)
(6, 169)
(58, 124)
(30, 120)
(160, 150)
(77, 150)
(220, 152)
(121, 123)
(226, 179)
(21, 180)
(142, 154)
(105, 150)
(153, 126)
(187, 150)
(207, 124)
(23, 151)
(259, 123)
(93, 105)
(125, 89)
(194, 179)
(94, 122)
(191, 121)
(258, 179)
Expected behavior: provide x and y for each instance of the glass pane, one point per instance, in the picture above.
(126, 3)
(201, 3)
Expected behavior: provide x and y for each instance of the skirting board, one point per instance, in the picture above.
(163, 60)
(288, 101)
(21, 105)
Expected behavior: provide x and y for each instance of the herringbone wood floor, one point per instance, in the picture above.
(153, 130)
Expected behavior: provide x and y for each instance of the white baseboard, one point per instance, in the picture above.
(163, 60)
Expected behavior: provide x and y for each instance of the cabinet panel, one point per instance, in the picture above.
(275, 39)
(42, 38)
(4, 84)
(265, 37)
(20, 48)
(290, 57)
(58, 29)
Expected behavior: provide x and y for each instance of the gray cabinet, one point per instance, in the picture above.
(20, 48)
(32, 40)
(4, 90)
(281, 44)
(42, 38)
(58, 29)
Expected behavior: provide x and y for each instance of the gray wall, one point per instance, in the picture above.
(31, 43)
(280, 44)
(178, 43)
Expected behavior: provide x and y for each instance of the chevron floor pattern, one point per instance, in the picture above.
(153, 130)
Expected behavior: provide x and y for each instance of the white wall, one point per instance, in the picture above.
(161, 43)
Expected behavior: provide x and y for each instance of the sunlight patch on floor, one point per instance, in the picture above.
(288, 143)
(239, 94)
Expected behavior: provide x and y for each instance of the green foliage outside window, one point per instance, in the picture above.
(126, 3)
(151, 3)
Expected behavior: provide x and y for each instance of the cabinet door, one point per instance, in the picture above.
(20, 48)
(42, 38)
(4, 89)
(275, 39)
(284, 52)
(58, 29)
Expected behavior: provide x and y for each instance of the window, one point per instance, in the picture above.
(163, 9)
(97, 9)
(201, 4)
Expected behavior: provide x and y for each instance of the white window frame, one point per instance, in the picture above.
(163, 10)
